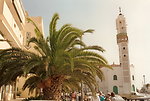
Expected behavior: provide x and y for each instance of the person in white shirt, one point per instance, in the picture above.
(113, 96)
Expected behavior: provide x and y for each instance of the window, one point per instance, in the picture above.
(124, 55)
(115, 77)
(14, 25)
(28, 36)
(133, 88)
(124, 48)
(132, 77)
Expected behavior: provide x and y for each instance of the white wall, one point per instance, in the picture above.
(4, 44)
(9, 18)
(20, 10)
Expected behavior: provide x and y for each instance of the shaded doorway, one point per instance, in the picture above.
(133, 88)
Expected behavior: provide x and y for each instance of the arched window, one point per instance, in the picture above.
(115, 77)
(115, 89)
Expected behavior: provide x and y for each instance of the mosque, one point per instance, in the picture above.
(120, 80)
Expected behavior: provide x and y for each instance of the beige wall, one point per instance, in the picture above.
(11, 25)
(29, 28)
(25, 93)
(14, 28)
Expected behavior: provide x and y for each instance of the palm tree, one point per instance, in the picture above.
(62, 62)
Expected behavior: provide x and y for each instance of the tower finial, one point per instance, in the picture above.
(120, 10)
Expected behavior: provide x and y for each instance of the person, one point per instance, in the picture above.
(85, 97)
(79, 96)
(73, 96)
(101, 96)
(108, 97)
(113, 96)
(96, 98)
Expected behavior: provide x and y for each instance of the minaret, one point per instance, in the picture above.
(122, 41)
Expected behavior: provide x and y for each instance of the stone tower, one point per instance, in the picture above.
(122, 41)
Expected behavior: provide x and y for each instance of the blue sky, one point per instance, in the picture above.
(100, 15)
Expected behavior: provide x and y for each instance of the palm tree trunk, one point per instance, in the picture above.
(53, 92)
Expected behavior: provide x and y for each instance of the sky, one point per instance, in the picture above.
(100, 15)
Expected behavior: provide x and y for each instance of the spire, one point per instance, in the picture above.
(120, 11)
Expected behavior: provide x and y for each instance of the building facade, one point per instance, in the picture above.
(121, 79)
(12, 21)
(16, 30)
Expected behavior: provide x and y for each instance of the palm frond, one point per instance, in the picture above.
(31, 83)
(52, 26)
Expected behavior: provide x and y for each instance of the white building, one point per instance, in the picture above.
(12, 21)
(121, 79)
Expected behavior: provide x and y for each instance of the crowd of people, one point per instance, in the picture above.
(107, 97)
(76, 96)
